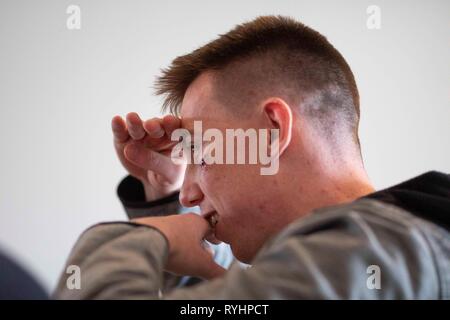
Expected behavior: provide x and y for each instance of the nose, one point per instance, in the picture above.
(190, 194)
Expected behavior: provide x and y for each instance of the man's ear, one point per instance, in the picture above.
(280, 116)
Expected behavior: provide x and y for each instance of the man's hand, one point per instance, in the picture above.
(189, 254)
(144, 150)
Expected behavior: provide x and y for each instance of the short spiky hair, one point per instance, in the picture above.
(306, 58)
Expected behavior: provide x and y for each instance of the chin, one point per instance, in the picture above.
(241, 254)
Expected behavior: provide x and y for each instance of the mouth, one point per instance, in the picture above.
(212, 217)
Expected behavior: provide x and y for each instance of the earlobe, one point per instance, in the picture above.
(279, 114)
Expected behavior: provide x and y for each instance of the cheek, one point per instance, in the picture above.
(220, 188)
(213, 184)
(216, 179)
(231, 190)
(228, 182)
(210, 178)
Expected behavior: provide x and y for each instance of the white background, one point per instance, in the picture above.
(59, 90)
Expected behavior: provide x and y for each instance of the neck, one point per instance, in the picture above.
(323, 189)
(303, 194)
(348, 186)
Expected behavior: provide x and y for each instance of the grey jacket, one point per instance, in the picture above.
(394, 244)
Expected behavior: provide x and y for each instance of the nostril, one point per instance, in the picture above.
(189, 201)
(195, 202)
(190, 194)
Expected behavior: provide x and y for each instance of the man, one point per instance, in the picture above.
(315, 229)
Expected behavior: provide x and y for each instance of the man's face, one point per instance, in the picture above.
(238, 193)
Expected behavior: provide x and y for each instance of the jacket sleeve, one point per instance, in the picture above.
(324, 257)
(131, 193)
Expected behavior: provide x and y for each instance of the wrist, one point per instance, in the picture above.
(153, 194)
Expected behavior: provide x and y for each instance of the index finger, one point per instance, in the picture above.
(201, 224)
(157, 138)
(170, 123)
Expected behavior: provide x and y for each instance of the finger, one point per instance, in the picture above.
(154, 128)
(135, 127)
(210, 269)
(200, 224)
(170, 123)
(151, 160)
(119, 129)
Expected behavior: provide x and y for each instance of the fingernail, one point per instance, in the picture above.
(157, 133)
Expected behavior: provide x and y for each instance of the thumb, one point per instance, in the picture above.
(151, 160)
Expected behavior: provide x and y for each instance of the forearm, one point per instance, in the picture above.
(117, 261)
(131, 194)
(125, 261)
